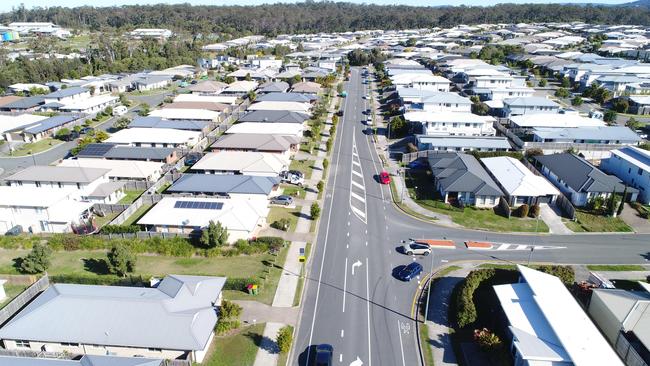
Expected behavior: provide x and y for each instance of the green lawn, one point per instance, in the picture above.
(137, 214)
(238, 349)
(163, 187)
(589, 222)
(12, 291)
(424, 344)
(86, 263)
(305, 166)
(498, 266)
(278, 212)
(295, 191)
(35, 147)
(101, 221)
(130, 196)
(616, 267)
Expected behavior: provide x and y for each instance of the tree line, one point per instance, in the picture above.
(313, 17)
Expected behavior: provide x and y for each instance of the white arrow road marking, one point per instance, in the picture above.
(356, 362)
(356, 264)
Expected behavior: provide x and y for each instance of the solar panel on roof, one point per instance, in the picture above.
(201, 205)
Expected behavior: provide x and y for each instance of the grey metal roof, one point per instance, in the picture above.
(158, 122)
(446, 97)
(274, 116)
(139, 153)
(24, 103)
(580, 175)
(223, 184)
(484, 142)
(86, 360)
(48, 124)
(254, 141)
(286, 97)
(274, 87)
(208, 86)
(63, 174)
(106, 189)
(458, 172)
(601, 133)
(67, 92)
(177, 315)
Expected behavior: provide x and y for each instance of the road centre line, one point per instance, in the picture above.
(368, 308)
(345, 284)
(401, 345)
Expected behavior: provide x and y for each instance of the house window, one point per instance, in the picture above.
(38, 184)
(154, 349)
(60, 185)
(640, 172)
(22, 344)
(66, 344)
(78, 185)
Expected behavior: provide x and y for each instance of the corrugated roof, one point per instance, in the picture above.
(274, 116)
(48, 173)
(458, 172)
(224, 184)
(260, 142)
(159, 122)
(63, 93)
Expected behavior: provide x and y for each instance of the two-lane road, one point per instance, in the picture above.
(351, 299)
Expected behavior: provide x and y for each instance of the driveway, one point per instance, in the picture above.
(632, 218)
(553, 220)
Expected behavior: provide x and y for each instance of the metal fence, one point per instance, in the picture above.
(37, 354)
(23, 298)
(627, 352)
(137, 185)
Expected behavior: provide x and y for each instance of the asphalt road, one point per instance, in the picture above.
(351, 299)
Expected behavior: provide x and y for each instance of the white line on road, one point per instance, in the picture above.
(342, 333)
(345, 282)
(357, 173)
(503, 246)
(357, 197)
(358, 185)
(401, 346)
(356, 162)
(368, 307)
(521, 247)
(358, 212)
(340, 357)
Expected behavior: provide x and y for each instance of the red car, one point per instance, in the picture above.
(384, 177)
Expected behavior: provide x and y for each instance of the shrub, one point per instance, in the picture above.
(282, 224)
(120, 260)
(564, 273)
(326, 163)
(320, 186)
(229, 310)
(38, 260)
(119, 229)
(239, 284)
(522, 211)
(534, 211)
(285, 338)
(487, 340)
(224, 326)
(328, 144)
(314, 211)
(411, 147)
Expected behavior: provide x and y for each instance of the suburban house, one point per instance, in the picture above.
(520, 185)
(606, 135)
(529, 105)
(16, 123)
(306, 87)
(273, 87)
(174, 320)
(85, 360)
(152, 82)
(578, 179)
(210, 106)
(178, 124)
(434, 101)
(28, 104)
(452, 123)
(165, 155)
(462, 143)
(154, 137)
(277, 144)
(208, 87)
(286, 97)
(460, 178)
(225, 185)
(639, 104)
(421, 81)
(242, 162)
(631, 165)
(274, 116)
(67, 96)
(294, 130)
(40, 129)
(547, 326)
(241, 217)
(240, 88)
(90, 105)
(120, 169)
(281, 106)
(623, 317)
(185, 114)
(559, 120)
(224, 99)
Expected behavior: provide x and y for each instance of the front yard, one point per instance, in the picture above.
(238, 349)
(420, 188)
(278, 212)
(589, 222)
(35, 147)
(305, 166)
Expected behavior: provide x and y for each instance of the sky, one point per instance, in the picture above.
(6, 5)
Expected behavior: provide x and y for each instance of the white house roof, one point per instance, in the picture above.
(409, 78)
(234, 214)
(516, 179)
(30, 196)
(292, 129)
(225, 99)
(8, 123)
(280, 106)
(543, 308)
(153, 135)
(242, 161)
(460, 117)
(122, 169)
(177, 113)
(84, 104)
(242, 86)
(179, 314)
(555, 120)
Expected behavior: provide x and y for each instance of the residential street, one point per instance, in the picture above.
(368, 312)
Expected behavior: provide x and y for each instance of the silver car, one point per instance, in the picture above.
(415, 248)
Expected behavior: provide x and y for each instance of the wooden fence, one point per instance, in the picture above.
(23, 298)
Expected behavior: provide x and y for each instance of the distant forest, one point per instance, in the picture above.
(313, 17)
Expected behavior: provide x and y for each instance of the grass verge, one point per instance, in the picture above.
(616, 267)
(301, 280)
(292, 214)
(35, 147)
(305, 166)
(424, 344)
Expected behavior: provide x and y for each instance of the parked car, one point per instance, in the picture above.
(417, 164)
(340, 113)
(292, 177)
(86, 130)
(384, 177)
(415, 248)
(191, 160)
(324, 354)
(16, 230)
(282, 200)
(119, 110)
(409, 272)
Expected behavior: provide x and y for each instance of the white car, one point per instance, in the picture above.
(415, 248)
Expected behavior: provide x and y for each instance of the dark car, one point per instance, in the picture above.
(340, 113)
(417, 164)
(16, 230)
(409, 272)
(191, 160)
(86, 130)
(324, 353)
(282, 200)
